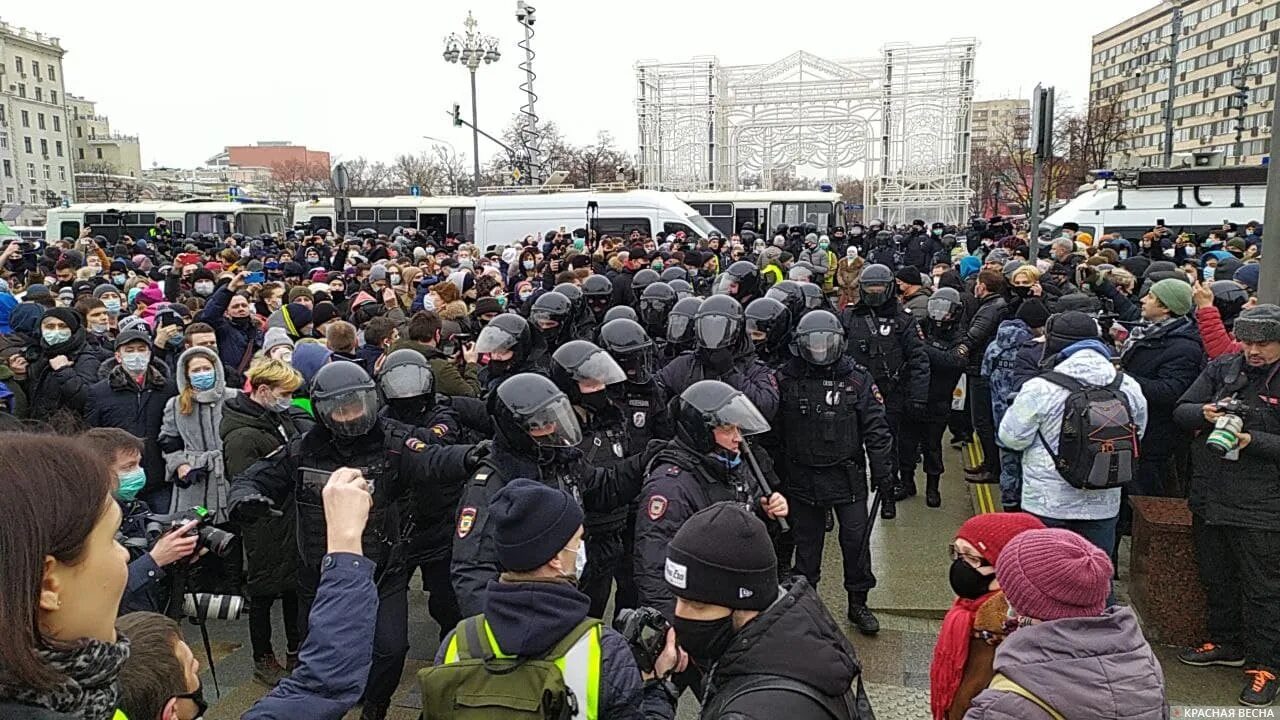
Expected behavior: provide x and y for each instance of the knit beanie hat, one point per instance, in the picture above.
(299, 291)
(969, 265)
(322, 313)
(378, 273)
(909, 274)
(1160, 266)
(722, 556)
(1174, 294)
(487, 305)
(1053, 574)
(1227, 268)
(531, 523)
(275, 337)
(1248, 275)
(296, 317)
(1067, 328)
(990, 532)
(1260, 323)
(1032, 312)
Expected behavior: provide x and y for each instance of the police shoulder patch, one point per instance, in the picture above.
(466, 521)
(440, 429)
(415, 445)
(657, 507)
(875, 390)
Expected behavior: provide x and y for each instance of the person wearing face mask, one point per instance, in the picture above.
(99, 338)
(1067, 654)
(535, 610)
(230, 315)
(111, 299)
(254, 424)
(132, 397)
(766, 651)
(974, 625)
(189, 435)
(202, 283)
(62, 367)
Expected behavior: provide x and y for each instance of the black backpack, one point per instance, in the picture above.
(1098, 442)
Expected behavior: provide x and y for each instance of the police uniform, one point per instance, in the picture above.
(749, 375)
(948, 356)
(604, 445)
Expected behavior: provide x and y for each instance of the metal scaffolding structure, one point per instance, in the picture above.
(902, 119)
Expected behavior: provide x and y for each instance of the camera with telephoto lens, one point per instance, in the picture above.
(645, 630)
(208, 606)
(218, 542)
(1225, 435)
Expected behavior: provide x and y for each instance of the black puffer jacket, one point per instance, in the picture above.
(54, 393)
(117, 401)
(1164, 361)
(991, 311)
(796, 639)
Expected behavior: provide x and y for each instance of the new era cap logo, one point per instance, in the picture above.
(677, 575)
(744, 593)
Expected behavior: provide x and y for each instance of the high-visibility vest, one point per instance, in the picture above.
(580, 667)
(773, 273)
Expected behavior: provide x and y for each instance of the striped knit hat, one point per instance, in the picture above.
(1053, 574)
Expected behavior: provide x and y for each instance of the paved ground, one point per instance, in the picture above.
(910, 562)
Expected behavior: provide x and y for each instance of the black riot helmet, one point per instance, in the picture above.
(813, 297)
(405, 374)
(819, 338)
(529, 412)
(598, 293)
(718, 324)
(345, 399)
(945, 305)
(768, 323)
(742, 281)
(631, 346)
(709, 404)
(675, 272)
(579, 367)
(576, 297)
(883, 238)
(1229, 297)
(680, 322)
(875, 286)
(682, 287)
(788, 293)
(620, 312)
(642, 280)
(549, 317)
(507, 331)
(655, 304)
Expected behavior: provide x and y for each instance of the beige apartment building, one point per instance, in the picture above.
(96, 148)
(1221, 43)
(997, 121)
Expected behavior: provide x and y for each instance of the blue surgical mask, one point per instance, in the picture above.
(53, 337)
(136, 362)
(527, 264)
(1208, 273)
(280, 404)
(131, 483)
(118, 280)
(730, 461)
(113, 306)
(204, 380)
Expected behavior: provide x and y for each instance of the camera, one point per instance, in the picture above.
(218, 542)
(1225, 435)
(645, 630)
(208, 606)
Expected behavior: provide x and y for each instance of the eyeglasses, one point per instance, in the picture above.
(975, 561)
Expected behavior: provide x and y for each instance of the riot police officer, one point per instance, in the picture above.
(655, 304)
(507, 346)
(885, 339)
(598, 293)
(882, 251)
(536, 436)
(723, 353)
(769, 327)
(642, 279)
(831, 410)
(943, 343)
(350, 433)
(582, 324)
(703, 465)
(551, 319)
(742, 281)
(679, 331)
(788, 293)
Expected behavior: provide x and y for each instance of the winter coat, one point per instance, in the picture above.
(918, 304)
(528, 618)
(194, 440)
(1037, 411)
(117, 401)
(455, 318)
(821, 260)
(450, 379)
(1085, 668)
(1215, 337)
(249, 433)
(57, 392)
(749, 375)
(15, 394)
(236, 340)
(796, 639)
(1165, 359)
(998, 364)
(847, 271)
(986, 319)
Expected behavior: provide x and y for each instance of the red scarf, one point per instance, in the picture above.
(951, 653)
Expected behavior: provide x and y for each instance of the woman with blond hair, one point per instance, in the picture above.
(189, 434)
(254, 424)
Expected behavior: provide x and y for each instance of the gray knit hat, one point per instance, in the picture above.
(275, 337)
(1258, 324)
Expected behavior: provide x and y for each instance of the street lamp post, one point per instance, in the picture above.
(1175, 32)
(470, 50)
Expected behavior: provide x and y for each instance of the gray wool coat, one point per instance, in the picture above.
(201, 445)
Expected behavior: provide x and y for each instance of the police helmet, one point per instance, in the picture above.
(367, 233)
(576, 297)
(550, 313)
(529, 412)
(597, 291)
(682, 287)
(620, 312)
(405, 374)
(507, 331)
(944, 305)
(579, 365)
(655, 304)
(631, 346)
(819, 338)
(680, 321)
(883, 238)
(813, 297)
(743, 280)
(788, 293)
(876, 285)
(1230, 298)
(718, 323)
(345, 399)
(643, 279)
(675, 272)
(768, 321)
(709, 404)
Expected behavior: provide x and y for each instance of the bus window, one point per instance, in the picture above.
(622, 227)
(209, 223)
(463, 222)
(819, 213)
(253, 224)
(433, 224)
(69, 228)
(175, 226)
(746, 215)
(671, 227)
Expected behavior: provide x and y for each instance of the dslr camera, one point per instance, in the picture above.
(1225, 435)
(645, 630)
(218, 542)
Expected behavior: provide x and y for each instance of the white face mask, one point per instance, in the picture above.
(580, 560)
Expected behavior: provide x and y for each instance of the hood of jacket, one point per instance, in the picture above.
(456, 310)
(308, 358)
(25, 319)
(795, 638)
(1095, 666)
(7, 304)
(528, 618)
(220, 379)
(1012, 333)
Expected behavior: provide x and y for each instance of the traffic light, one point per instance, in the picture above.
(457, 115)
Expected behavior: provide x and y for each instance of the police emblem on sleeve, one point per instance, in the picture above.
(415, 445)
(875, 390)
(638, 419)
(466, 521)
(657, 507)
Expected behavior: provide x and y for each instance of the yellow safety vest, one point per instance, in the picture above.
(773, 273)
(119, 715)
(580, 667)
(829, 280)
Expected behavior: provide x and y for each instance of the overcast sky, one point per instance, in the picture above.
(192, 77)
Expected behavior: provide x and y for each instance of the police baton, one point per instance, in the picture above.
(760, 481)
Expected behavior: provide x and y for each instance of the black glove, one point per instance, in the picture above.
(193, 477)
(476, 455)
(254, 507)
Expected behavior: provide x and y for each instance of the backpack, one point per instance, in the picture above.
(1098, 442)
(853, 705)
(480, 683)
(1004, 684)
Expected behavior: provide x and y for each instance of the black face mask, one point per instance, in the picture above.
(596, 402)
(718, 361)
(337, 296)
(704, 640)
(967, 582)
(499, 367)
(1021, 292)
(414, 408)
(197, 697)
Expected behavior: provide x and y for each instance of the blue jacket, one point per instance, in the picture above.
(336, 656)
(999, 361)
(529, 618)
(234, 340)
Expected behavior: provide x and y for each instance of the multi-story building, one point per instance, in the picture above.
(96, 147)
(35, 140)
(1221, 44)
(268, 153)
(995, 122)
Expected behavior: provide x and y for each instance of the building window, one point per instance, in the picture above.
(34, 197)
(40, 120)
(35, 70)
(26, 119)
(98, 152)
(81, 153)
(57, 124)
(39, 93)
(22, 90)
(79, 131)
(57, 146)
(4, 141)
(53, 75)
(44, 147)
(31, 171)
(62, 172)
(17, 63)
(47, 174)
(53, 96)
(10, 195)
(8, 169)
(1, 114)
(26, 144)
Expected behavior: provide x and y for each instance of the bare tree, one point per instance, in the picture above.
(293, 180)
(454, 176)
(364, 177)
(1093, 137)
(422, 170)
(598, 162)
(102, 182)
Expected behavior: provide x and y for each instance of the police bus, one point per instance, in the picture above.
(437, 214)
(112, 220)
(767, 209)
(28, 232)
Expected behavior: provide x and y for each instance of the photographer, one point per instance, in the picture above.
(1235, 503)
(423, 334)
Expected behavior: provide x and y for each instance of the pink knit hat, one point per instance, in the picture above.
(1053, 574)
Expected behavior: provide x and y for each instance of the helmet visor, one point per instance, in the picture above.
(636, 364)
(492, 339)
(821, 347)
(405, 381)
(679, 328)
(349, 414)
(739, 411)
(939, 309)
(874, 293)
(726, 284)
(600, 368)
(553, 424)
(716, 331)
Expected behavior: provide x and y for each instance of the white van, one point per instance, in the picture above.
(505, 219)
(1192, 200)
